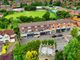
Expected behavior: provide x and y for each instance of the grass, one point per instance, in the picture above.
(34, 14)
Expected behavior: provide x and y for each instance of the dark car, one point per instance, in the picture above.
(53, 36)
(56, 35)
(59, 35)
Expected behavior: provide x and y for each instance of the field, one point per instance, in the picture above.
(34, 14)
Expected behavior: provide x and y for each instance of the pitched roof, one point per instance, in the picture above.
(9, 32)
(44, 23)
(78, 24)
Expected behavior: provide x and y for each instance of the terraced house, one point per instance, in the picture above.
(45, 28)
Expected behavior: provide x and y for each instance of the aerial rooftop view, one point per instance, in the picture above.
(39, 29)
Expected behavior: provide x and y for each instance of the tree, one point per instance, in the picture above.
(59, 55)
(63, 14)
(25, 19)
(74, 32)
(29, 48)
(30, 8)
(57, 3)
(5, 2)
(31, 55)
(3, 23)
(70, 49)
(46, 16)
(37, 4)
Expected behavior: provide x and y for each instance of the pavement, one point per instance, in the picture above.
(11, 47)
(60, 41)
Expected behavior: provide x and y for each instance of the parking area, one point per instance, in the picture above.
(61, 40)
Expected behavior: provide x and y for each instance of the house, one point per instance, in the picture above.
(5, 7)
(7, 35)
(18, 9)
(47, 52)
(78, 23)
(73, 12)
(45, 27)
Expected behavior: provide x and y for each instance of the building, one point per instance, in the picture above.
(73, 12)
(45, 27)
(78, 23)
(18, 9)
(47, 52)
(7, 35)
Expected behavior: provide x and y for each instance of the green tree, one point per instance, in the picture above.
(74, 32)
(31, 55)
(5, 2)
(63, 14)
(57, 3)
(59, 55)
(70, 49)
(46, 16)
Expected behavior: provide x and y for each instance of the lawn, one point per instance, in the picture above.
(39, 13)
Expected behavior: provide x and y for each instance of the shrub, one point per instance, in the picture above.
(30, 8)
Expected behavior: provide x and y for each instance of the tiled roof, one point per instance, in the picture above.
(78, 24)
(9, 32)
(39, 26)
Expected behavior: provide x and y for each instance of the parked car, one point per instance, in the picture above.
(56, 35)
(53, 36)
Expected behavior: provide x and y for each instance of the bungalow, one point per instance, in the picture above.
(45, 28)
(7, 35)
